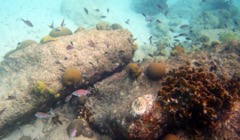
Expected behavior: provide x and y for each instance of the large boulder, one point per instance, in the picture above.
(39, 67)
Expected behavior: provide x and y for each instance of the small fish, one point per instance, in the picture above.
(184, 26)
(81, 92)
(176, 40)
(1, 112)
(91, 43)
(149, 18)
(10, 97)
(62, 24)
(73, 132)
(182, 34)
(166, 13)
(158, 21)
(51, 26)
(134, 39)
(150, 39)
(187, 38)
(103, 17)
(27, 22)
(159, 6)
(97, 10)
(144, 14)
(42, 115)
(68, 98)
(171, 30)
(107, 10)
(86, 10)
(69, 47)
(127, 21)
(235, 22)
(226, 26)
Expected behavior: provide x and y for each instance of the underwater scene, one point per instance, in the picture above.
(120, 70)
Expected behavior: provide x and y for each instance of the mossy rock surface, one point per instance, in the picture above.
(20, 46)
(60, 31)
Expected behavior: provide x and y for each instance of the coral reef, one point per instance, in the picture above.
(71, 76)
(20, 46)
(149, 116)
(177, 50)
(228, 37)
(46, 39)
(116, 26)
(60, 31)
(39, 87)
(103, 26)
(155, 71)
(196, 101)
(81, 127)
(133, 70)
(150, 6)
(79, 29)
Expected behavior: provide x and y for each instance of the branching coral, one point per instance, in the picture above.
(196, 101)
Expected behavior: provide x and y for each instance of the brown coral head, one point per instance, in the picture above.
(156, 71)
(133, 70)
(71, 76)
(195, 100)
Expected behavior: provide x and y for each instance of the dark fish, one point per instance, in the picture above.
(166, 13)
(107, 10)
(159, 6)
(86, 10)
(190, 31)
(1, 112)
(127, 21)
(51, 26)
(182, 34)
(158, 21)
(27, 22)
(234, 30)
(176, 40)
(150, 55)
(226, 26)
(97, 10)
(175, 36)
(171, 30)
(71, 43)
(150, 39)
(144, 14)
(103, 17)
(183, 26)
(10, 97)
(187, 38)
(235, 22)
(134, 39)
(62, 24)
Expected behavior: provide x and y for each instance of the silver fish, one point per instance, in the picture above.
(42, 115)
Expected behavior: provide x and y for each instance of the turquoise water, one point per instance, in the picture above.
(157, 25)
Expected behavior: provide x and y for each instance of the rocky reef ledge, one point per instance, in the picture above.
(31, 77)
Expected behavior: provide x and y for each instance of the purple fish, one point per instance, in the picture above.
(42, 115)
(73, 132)
(81, 92)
